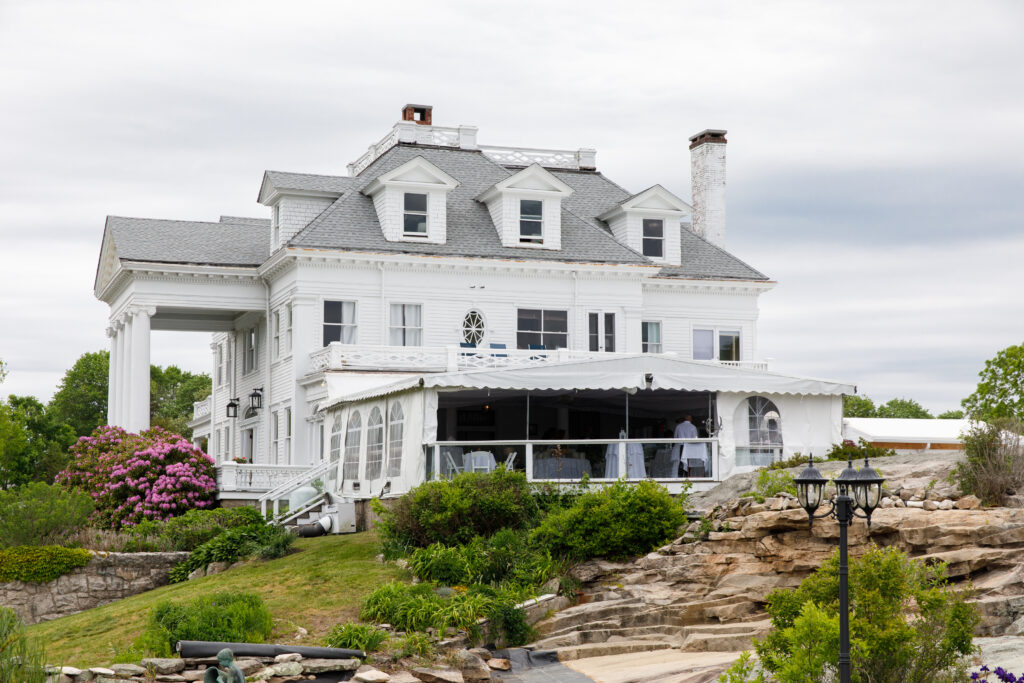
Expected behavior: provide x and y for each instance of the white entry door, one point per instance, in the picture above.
(601, 331)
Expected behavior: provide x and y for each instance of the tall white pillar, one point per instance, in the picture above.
(112, 376)
(139, 409)
(124, 373)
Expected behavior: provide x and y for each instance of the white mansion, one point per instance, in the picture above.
(448, 305)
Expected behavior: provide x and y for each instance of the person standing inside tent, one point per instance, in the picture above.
(690, 451)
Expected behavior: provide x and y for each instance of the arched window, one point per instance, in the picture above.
(396, 423)
(350, 468)
(374, 444)
(764, 425)
(473, 328)
(336, 440)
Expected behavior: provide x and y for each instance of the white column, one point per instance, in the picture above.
(112, 376)
(139, 409)
(124, 373)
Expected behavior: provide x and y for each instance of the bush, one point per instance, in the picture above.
(196, 527)
(454, 511)
(135, 477)
(414, 644)
(906, 624)
(363, 637)
(228, 616)
(994, 462)
(771, 483)
(40, 514)
(617, 521)
(41, 563)
(21, 659)
(504, 558)
(232, 545)
(848, 450)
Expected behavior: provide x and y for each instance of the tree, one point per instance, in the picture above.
(48, 437)
(81, 398)
(15, 456)
(858, 406)
(3, 370)
(1000, 393)
(951, 415)
(903, 407)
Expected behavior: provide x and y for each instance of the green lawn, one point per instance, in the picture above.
(320, 585)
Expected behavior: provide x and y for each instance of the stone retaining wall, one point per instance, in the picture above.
(107, 577)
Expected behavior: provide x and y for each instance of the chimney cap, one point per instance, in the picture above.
(417, 113)
(708, 135)
(420, 106)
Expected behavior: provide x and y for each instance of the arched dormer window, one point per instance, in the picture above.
(396, 427)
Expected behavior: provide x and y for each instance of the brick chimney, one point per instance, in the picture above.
(707, 174)
(420, 113)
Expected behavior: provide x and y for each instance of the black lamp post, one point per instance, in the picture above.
(256, 399)
(233, 408)
(854, 489)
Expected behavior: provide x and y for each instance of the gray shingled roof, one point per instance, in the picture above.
(229, 243)
(702, 260)
(309, 181)
(351, 222)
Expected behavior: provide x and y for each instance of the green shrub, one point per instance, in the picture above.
(441, 564)
(363, 637)
(227, 616)
(197, 527)
(40, 564)
(414, 644)
(41, 514)
(906, 623)
(617, 521)
(771, 483)
(994, 461)
(504, 558)
(232, 545)
(21, 658)
(857, 451)
(454, 511)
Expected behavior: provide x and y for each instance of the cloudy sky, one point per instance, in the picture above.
(876, 149)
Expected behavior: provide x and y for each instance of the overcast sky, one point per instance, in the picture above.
(875, 159)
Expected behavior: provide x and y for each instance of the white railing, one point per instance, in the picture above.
(549, 158)
(285, 488)
(758, 456)
(234, 476)
(338, 356)
(202, 408)
(569, 460)
(411, 132)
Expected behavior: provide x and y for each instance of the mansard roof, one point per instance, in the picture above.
(703, 260)
(232, 242)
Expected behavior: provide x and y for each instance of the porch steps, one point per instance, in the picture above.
(723, 637)
(619, 647)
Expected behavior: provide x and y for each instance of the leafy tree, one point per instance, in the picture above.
(15, 456)
(858, 406)
(951, 415)
(48, 437)
(903, 407)
(1000, 393)
(906, 623)
(3, 370)
(40, 514)
(81, 398)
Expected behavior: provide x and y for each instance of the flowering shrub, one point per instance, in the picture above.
(154, 475)
(1001, 674)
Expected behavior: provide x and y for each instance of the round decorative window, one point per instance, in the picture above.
(473, 328)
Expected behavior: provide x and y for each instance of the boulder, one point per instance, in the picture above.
(163, 665)
(197, 573)
(128, 669)
(438, 675)
(288, 657)
(403, 677)
(499, 664)
(282, 669)
(371, 675)
(472, 666)
(970, 502)
(319, 666)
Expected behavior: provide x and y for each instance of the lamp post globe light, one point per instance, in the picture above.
(854, 489)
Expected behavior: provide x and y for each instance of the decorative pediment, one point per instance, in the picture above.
(411, 202)
(532, 179)
(108, 264)
(653, 199)
(415, 172)
(649, 223)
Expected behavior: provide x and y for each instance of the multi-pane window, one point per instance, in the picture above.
(531, 221)
(650, 337)
(353, 435)
(287, 328)
(227, 442)
(374, 444)
(415, 214)
(276, 223)
(287, 441)
(277, 334)
(275, 437)
(250, 358)
(540, 329)
(712, 344)
(216, 445)
(339, 322)
(220, 364)
(405, 325)
(601, 331)
(396, 424)
(654, 237)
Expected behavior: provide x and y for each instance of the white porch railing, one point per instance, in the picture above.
(568, 460)
(338, 356)
(233, 476)
(285, 488)
(202, 408)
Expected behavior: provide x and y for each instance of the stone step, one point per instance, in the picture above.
(723, 637)
(619, 647)
(665, 633)
(656, 616)
(589, 613)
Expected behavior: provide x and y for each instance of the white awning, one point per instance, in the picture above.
(625, 373)
(905, 430)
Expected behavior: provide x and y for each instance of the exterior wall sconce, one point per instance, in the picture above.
(256, 399)
(233, 408)
(856, 489)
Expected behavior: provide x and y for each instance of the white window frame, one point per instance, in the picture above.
(226, 443)
(395, 439)
(288, 313)
(277, 333)
(425, 214)
(342, 326)
(604, 334)
(219, 352)
(645, 346)
(276, 222)
(275, 437)
(287, 441)
(660, 240)
(375, 444)
(250, 352)
(542, 332)
(717, 331)
(403, 328)
(350, 453)
(533, 218)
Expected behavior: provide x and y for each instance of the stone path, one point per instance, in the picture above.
(661, 666)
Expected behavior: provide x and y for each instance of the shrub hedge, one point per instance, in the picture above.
(41, 563)
(41, 514)
(230, 616)
(505, 557)
(363, 637)
(264, 541)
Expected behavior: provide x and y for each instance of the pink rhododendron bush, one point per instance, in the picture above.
(131, 477)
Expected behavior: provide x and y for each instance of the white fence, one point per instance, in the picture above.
(233, 476)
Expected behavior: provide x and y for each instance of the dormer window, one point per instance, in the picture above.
(415, 214)
(654, 237)
(531, 221)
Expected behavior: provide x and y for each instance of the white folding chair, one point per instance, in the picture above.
(453, 469)
(510, 461)
(478, 461)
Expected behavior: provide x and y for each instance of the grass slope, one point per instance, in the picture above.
(320, 585)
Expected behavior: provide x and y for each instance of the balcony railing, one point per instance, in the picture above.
(233, 476)
(337, 356)
(202, 408)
